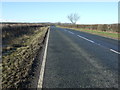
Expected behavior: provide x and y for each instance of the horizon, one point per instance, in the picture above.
(49, 23)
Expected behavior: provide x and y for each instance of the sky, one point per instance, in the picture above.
(89, 12)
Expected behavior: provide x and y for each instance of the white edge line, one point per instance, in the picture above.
(114, 51)
(40, 81)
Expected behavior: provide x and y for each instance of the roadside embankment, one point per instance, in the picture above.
(19, 52)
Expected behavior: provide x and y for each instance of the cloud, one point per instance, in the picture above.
(7, 20)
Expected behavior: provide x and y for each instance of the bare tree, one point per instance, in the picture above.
(73, 17)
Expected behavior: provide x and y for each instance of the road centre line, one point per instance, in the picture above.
(70, 32)
(94, 42)
(65, 30)
(98, 44)
(114, 51)
(86, 39)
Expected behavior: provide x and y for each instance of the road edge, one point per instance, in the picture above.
(40, 81)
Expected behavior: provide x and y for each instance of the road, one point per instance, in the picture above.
(80, 60)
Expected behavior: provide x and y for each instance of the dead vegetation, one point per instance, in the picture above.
(20, 47)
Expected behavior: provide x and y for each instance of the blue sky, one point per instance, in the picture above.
(90, 12)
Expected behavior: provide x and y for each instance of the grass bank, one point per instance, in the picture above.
(113, 35)
(18, 58)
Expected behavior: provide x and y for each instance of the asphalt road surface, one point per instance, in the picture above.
(80, 60)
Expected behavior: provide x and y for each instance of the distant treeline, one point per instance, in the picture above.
(101, 27)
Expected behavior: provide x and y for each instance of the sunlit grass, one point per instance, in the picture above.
(102, 33)
(113, 35)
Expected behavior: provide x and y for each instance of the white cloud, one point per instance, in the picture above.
(7, 20)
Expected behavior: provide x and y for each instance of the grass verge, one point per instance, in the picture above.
(17, 65)
(113, 35)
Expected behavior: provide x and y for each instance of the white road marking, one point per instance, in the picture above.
(114, 51)
(40, 81)
(94, 42)
(70, 32)
(86, 39)
(65, 30)
(98, 44)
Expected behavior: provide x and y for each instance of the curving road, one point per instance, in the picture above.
(80, 60)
